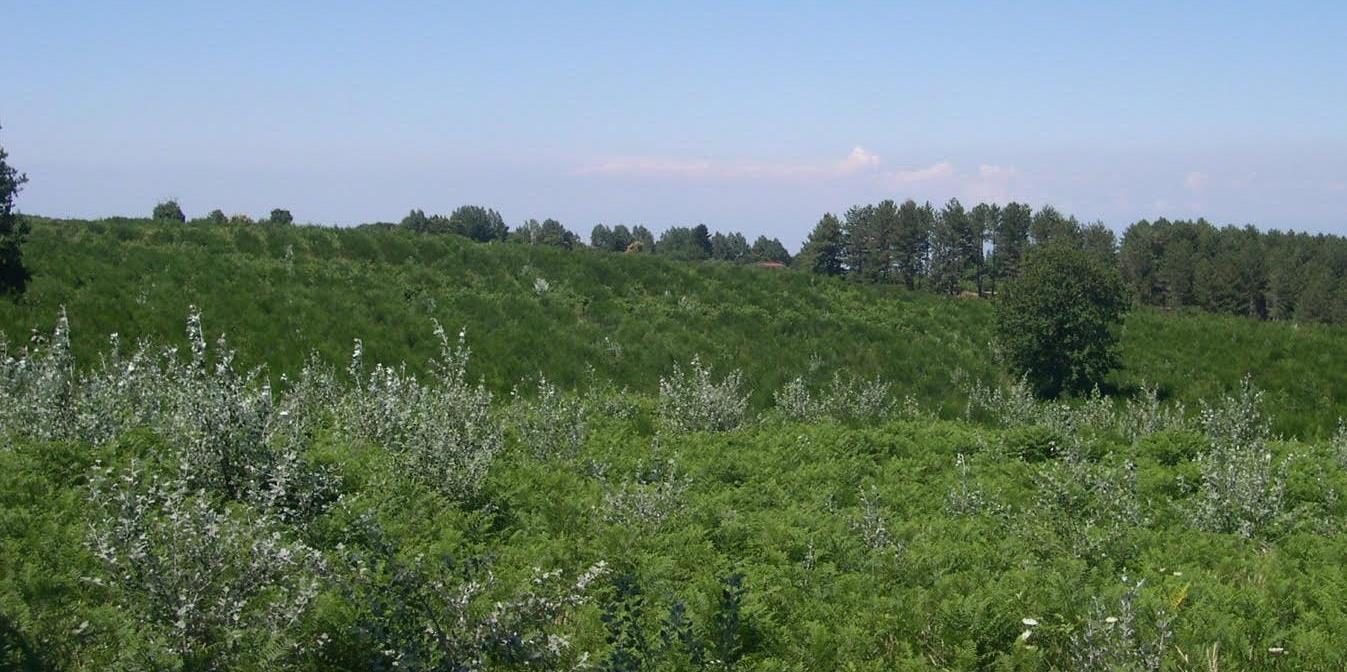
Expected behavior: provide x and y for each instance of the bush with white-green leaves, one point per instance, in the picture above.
(211, 586)
(693, 400)
(1243, 485)
(443, 430)
(846, 398)
(1127, 637)
(223, 427)
(653, 493)
(551, 424)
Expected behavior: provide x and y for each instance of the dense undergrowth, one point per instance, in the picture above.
(282, 292)
(169, 508)
(640, 465)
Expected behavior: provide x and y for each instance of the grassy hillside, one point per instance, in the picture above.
(160, 509)
(163, 514)
(282, 292)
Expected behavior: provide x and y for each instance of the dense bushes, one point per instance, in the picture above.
(280, 292)
(161, 509)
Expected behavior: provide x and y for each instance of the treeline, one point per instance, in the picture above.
(689, 244)
(1241, 271)
(679, 242)
(944, 250)
(1271, 275)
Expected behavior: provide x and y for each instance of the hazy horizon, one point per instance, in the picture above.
(756, 117)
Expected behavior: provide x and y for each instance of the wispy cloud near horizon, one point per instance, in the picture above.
(858, 161)
(860, 167)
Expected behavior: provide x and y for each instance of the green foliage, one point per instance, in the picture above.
(1056, 323)
(877, 544)
(685, 244)
(138, 278)
(216, 217)
(169, 211)
(478, 223)
(13, 231)
(549, 232)
(822, 250)
(280, 217)
(173, 505)
(769, 250)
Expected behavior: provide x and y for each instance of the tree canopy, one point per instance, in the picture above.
(13, 274)
(169, 210)
(1055, 322)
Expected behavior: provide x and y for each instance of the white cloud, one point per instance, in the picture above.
(992, 183)
(937, 171)
(988, 183)
(1196, 181)
(989, 172)
(858, 161)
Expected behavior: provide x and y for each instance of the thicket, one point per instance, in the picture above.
(164, 507)
(1272, 275)
(281, 292)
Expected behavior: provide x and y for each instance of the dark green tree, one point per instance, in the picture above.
(1100, 241)
(1010, 240)
(983, 221)
(912, 240)
(859, 230)
(281, 217)
(949, 248)
(770, 250)
(216, 217)
(550, 232)
(169, 211)
(621, 238)
(13, 275)
(682, 243)
(732, 247)
(553, 233)
(1056, 322)
(642, 235)
(1049, 225)
(417, 221)
(822, 251)
(478, 223)
(601, 237)
(702, 236)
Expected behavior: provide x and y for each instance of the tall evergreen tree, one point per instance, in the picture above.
(770, 250)
(733, 247)
(1100, 241)
(702, 237)
(858, 232)
(912, 240)
(822, 251)
(983, 221)
(947, 249)
(1010, 239)
(1050, 226)
(478, 223)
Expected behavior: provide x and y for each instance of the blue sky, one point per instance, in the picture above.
(750, 116)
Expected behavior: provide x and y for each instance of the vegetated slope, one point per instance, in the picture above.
(161, 513)
(283, 292)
